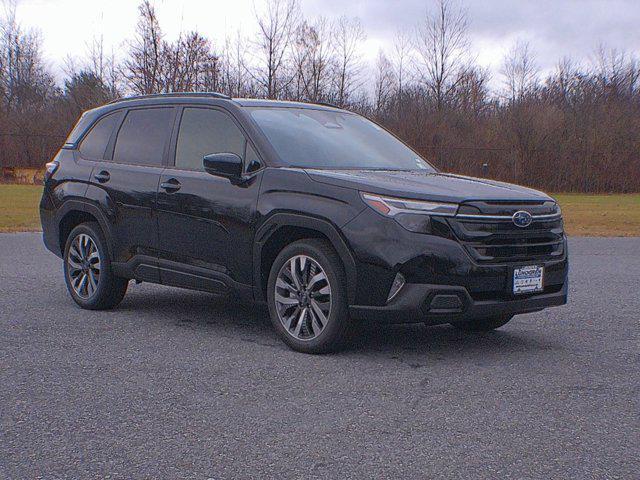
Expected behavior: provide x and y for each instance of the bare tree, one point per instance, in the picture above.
(276, 28)
(471, 95)
(584, 118)
(385, 82)
(312, 60)
(616, 70)
(520, 71)
(442, 47)
(402, 50)
(142, 68)
(189, 64)
(563, 80)
(234, 69)
(27, 94)
(348, 35)
(103, 66)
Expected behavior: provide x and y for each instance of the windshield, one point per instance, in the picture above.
(309, 138)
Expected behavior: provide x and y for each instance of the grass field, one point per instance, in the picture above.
(19, 208)
(601, 215)
(585, 215)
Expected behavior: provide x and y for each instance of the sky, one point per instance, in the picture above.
(554, 28)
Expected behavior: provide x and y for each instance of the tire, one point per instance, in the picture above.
(86, 254)
(482, 324)
(313, 318)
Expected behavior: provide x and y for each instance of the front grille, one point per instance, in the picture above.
(492, 237)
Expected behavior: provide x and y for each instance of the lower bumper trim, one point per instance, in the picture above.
(434, 304)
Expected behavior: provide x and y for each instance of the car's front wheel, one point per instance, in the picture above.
(483, 324)
(87, 269)
(307, 298)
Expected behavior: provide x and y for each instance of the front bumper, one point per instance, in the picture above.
(435, 304)
(444, 283)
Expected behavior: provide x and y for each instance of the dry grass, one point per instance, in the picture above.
(601, 215)
(19, 208)
(585, 215)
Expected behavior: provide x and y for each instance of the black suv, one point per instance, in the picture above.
(318, 212)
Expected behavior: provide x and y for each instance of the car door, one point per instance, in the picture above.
(129, 181)
(206, 222)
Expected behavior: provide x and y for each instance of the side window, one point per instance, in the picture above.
(95, 142)
(204, 131)
(142, 136)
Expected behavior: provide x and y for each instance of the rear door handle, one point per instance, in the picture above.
(171, 185)
(102, 177)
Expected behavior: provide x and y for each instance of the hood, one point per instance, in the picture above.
(419, 185)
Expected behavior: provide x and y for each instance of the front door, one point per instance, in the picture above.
(206, 223)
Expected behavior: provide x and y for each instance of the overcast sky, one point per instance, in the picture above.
(554, 28)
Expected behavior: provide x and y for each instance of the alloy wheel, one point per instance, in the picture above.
(83, 265)
(303, 297)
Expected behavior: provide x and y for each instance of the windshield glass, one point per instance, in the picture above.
(309, 138)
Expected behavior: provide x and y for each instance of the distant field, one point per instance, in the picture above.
(585, 215)
(19, 208)
(601, 215)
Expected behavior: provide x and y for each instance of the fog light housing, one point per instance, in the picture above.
(396, 286)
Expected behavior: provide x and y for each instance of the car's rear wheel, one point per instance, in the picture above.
(87, 269)
(307, 299)
(483, 324)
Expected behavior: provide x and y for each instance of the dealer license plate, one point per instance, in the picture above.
(528, 279)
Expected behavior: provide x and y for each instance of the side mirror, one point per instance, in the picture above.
(228, 165)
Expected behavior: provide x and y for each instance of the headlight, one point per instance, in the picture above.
(558, 209)
(391, 206)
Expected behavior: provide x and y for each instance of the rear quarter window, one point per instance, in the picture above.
(94, 144)
(81, 125)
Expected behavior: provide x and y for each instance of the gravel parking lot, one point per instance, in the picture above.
(179, 384)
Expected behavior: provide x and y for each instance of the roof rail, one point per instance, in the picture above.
(174, 94)
(327, 104)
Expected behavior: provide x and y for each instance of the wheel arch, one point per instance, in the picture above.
(74, 212)
(282, 229)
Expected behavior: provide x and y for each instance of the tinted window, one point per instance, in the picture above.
(204, 131)
(95, 143)
(142, 137)
(312, 138)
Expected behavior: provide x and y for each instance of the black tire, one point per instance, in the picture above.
(109, 290)
(336, 324)
(482, 324)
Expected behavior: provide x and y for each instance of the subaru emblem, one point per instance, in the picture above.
(522, 219)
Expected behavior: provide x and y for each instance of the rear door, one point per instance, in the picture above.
(129, 179)
(206, 222)
(92, 151)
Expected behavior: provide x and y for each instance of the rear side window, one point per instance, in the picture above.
(95, 142)
(204, 131)
(81, 125)
(142, 136)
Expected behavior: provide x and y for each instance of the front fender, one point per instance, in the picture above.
(279, 220)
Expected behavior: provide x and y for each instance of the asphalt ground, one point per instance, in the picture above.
(177, 384)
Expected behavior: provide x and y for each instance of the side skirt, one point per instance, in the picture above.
(150, 269)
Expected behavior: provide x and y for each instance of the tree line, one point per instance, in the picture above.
(574, 129)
